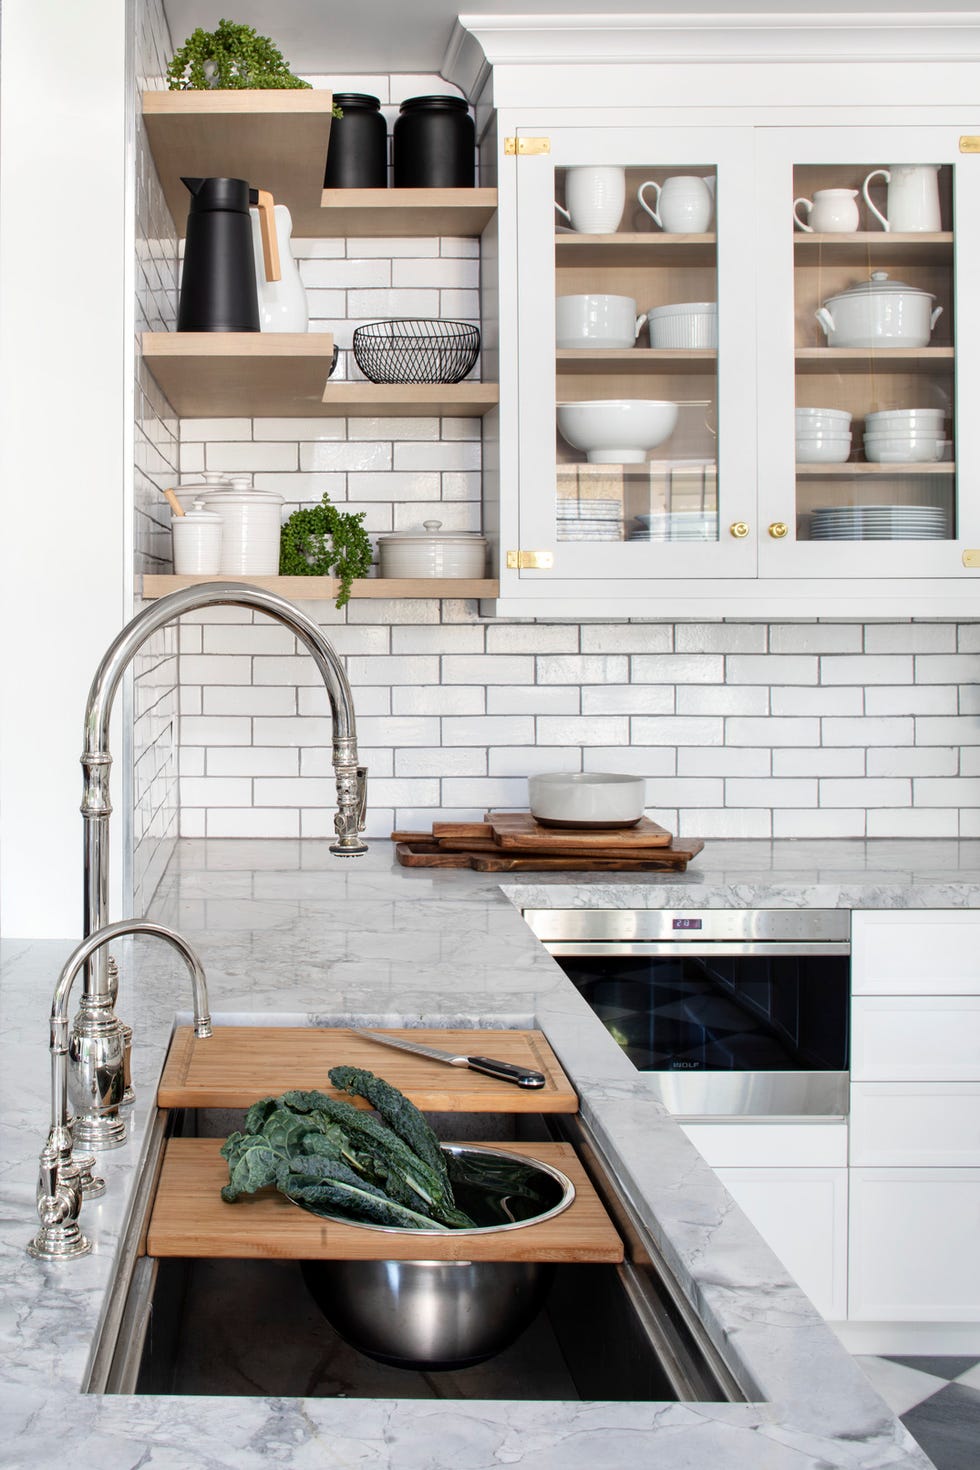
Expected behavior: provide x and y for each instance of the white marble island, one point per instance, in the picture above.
(289, 934)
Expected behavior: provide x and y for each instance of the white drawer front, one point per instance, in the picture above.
(918, 1124)
(924, 952)
(802, 1215)
(913, 1245)
(764, 1145)
(917, 1039)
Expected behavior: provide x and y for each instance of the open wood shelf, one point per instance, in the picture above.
(190, 1219)
(325, 589)
(867, 246)
(634, 249)
(877, 359)
(277, 140)
(575, 360)
(241, 374)
(408, 400)
(848, 471)
(408, 213)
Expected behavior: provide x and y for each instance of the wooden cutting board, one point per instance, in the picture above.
(520, 830)
(240, 1064)
(423, 852)
(191, 1219)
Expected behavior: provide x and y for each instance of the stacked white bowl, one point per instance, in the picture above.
(905, 436)
(823, 435)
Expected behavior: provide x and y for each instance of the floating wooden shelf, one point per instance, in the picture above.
(576, 360)
(634, 249)
(878, 359)
(325, 589)
(240, 1064)
(408, 400)
(408, 213)
(277, 140)
(851, 471)
(241, 374)
(191, 1219)
(866, 246)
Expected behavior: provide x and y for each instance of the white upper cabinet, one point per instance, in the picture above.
(659, 472)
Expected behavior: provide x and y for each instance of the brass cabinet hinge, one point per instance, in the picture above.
(971, 557)
(970, 144)
(534, 561)
(524, 147)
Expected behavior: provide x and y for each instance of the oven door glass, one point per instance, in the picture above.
(701, 1013)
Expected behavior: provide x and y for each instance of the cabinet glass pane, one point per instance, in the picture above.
(875, 438)
(636, 354)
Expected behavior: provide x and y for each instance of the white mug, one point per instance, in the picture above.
(913, 197)
(684, 205)
(597, 321)
(830, 211)
(596, 197)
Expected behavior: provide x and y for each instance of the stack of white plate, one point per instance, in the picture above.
(879, 523)
(589, 520)
(677, 525)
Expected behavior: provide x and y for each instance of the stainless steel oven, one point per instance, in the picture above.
(733, 1012)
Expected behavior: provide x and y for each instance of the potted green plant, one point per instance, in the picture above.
(322, 541)
(233, 56)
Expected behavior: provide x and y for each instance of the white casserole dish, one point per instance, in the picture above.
(684, 324)
(879, 313)
(432, 552)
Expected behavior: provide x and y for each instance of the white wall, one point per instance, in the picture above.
(66, 409)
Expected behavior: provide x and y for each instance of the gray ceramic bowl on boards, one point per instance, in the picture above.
(594, 799)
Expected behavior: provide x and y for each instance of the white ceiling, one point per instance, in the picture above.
(338, 37)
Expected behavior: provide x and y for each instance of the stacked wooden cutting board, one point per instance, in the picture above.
(513, 842)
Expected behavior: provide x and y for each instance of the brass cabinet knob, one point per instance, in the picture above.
(778, 529)
(739, 529)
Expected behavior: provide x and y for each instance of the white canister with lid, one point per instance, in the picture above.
(252, 525)
(197, 542)
(432, 552)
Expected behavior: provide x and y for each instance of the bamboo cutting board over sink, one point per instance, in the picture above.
(190, 1219)
(240, 1064)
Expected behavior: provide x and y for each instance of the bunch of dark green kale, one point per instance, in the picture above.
(335, 1158)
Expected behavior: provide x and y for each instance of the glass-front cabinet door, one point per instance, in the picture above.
(636, 331)
(868, 446)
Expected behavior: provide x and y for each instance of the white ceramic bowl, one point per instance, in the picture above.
(432, 552)
(616, 430)
(886, 420)
(596, 321)
(684, 324)
(823, 448)
(903, 449)
(586, 799)
(822, 421)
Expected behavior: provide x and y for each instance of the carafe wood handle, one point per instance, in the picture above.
(270, 245)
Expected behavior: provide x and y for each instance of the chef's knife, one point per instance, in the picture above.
(504, 1071)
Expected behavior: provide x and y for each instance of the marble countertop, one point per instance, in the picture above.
(292, 935)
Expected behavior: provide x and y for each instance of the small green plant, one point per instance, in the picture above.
(233, 56)
(322, 541)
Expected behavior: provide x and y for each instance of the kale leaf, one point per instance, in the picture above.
(401, 1115)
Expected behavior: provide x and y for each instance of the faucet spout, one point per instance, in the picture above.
(99, 1126)
(60, 1182)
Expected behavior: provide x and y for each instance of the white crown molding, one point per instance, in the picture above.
(481, 42)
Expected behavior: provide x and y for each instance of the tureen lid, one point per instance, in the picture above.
(432, 531)
(879, 283)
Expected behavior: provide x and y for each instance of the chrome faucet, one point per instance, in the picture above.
(97, 1050)
(61, 1177)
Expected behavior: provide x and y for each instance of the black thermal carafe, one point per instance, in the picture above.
(217, 291)
(357, 154)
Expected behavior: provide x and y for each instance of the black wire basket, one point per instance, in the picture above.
(413, 350)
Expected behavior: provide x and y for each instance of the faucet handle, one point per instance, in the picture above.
(361, 798)
(58, 1203)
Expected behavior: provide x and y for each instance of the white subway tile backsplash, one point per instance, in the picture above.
(257, 638)
(742, 730)
(464, 455)
(359, 455)
(459, 273)
(721, 699)
(501, 792)
(236, 699)
(816, 822)
(394, 429)
(910, 638)
(823, 761)
(215, 730)
(625, 637)
(879, 668)
(866, 792)
(956, 791)
(215, 791)
(582, 729)
(913, 760)
(952, 668)
(534, 699)
(802, 700)
(913, 823)
(627, 699)
(678, 668)
(249, 760)
(253, 823)
(435, 699)
(532, 638)
(345, 275)
(679, 730)
(707, 760)
(464, 761)
(880, 731)
(488, 730)
(532, 760)
(915, 699)
(465, 638)
(488, 668)
(393, 485)
(582, 668)
(958, 730)
(412, 669)
(724, 822)
(719, 637)
(771, 669)
(815, 638)
(210, 431)
(236, 457)
(773, 791)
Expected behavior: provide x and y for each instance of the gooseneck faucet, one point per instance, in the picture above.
(96, 1047)
(59, 1185)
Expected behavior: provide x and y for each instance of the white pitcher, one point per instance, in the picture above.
(596, 197)
(830, 212)
(684, 205)
(913, 197)
(282, 304)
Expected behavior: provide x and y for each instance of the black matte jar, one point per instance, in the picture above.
(357, 154)
(434, 144)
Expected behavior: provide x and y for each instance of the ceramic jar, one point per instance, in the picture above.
(357, 154)
(197, 542)
(432, 552)
(252, 525)
(434, 144)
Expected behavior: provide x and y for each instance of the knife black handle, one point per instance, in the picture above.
(506, 1071)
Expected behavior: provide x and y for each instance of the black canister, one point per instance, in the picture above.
(357, 154)
(434, 144)
(217, 287)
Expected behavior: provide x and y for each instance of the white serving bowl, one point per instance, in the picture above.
(684, 324)
(903, 449)
(822, 421)
(616, 430)
(906, 421)
(822, 448)
(586, 799)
